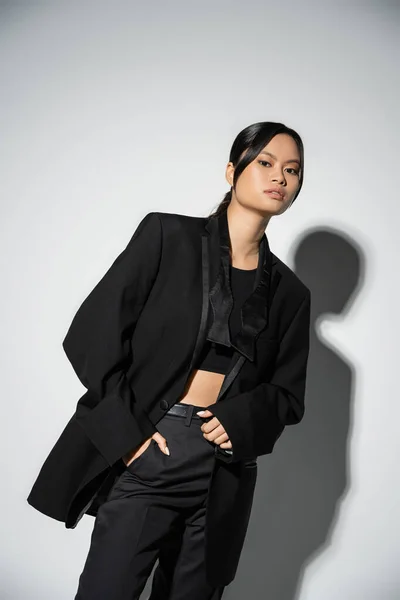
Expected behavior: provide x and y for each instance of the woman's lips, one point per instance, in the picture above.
(274, 194)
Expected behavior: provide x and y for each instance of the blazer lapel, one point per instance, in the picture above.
(255, 311)
(216, 291)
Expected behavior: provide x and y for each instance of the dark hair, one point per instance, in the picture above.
(253, 139)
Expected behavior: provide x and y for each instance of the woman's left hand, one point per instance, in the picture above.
(213, 431)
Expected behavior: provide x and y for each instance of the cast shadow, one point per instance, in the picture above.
(302, 484)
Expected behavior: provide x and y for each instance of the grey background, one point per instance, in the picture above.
(111, 110)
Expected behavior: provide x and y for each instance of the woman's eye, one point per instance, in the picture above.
(294, 172)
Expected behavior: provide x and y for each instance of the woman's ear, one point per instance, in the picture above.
(229, 173)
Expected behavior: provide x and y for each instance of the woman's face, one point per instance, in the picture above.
(277, 166)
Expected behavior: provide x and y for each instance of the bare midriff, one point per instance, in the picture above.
(202, 388)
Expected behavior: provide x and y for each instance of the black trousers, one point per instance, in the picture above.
(155, 510)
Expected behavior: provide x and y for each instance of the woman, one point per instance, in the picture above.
(193, 348)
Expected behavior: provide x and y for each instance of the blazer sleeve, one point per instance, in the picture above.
(97, 345)
(254, 420)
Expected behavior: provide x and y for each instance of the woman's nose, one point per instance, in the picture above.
(278, 177)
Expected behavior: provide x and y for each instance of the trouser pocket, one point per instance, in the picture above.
(133, 465)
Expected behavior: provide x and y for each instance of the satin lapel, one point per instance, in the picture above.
(205, 294)
(255, 310)
(216, 291)
(210, 265)
(238, 359)
(220, 297)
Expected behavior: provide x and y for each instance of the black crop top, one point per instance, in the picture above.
(216, 357)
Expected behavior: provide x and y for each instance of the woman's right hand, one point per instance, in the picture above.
(162, 444)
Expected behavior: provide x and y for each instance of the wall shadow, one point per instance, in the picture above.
(301, 485)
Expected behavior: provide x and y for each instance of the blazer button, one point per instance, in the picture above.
(164, 404)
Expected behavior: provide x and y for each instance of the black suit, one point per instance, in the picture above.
(133, 342)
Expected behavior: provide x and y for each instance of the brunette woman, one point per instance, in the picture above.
(193, 348)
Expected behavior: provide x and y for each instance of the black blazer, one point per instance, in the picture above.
(133, 342)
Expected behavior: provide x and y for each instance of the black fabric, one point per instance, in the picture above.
(216, 357)
(155, 510)
(133, 343)
(255, 311)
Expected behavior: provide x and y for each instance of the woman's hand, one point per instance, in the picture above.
(213, 431)
(162, 444)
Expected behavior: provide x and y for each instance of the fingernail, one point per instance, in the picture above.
(201, 412)
(166, 450)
